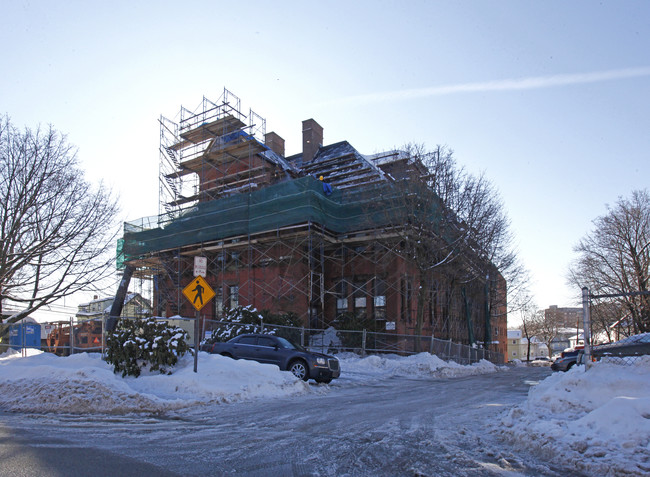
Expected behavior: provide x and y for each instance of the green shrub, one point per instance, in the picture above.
(246, 319)
(140, 343)
(239, 320)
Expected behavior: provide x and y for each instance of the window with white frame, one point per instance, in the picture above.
(341, 292)
(379, 299)
(234, 296)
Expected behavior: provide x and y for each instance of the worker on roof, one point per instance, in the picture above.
(327, 189)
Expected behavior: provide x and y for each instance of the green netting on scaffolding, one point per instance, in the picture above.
(293, 202)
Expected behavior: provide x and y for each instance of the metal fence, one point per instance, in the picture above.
(640, 357)
(630, 351)
(60, 337)
(362, 342)
(65, 338)
(625, 360)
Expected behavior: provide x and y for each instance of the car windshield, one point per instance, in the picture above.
(286, 344)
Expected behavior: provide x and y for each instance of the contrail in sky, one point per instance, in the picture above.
(535, 82)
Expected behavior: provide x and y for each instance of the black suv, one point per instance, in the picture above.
(303, 363)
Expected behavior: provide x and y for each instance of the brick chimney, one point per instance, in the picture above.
(275, 143)
(312, 139)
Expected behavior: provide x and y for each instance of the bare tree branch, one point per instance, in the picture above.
(614, 258)
(58, 233)
(455, 225)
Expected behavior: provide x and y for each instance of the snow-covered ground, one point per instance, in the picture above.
(596, 423)
(84, 383)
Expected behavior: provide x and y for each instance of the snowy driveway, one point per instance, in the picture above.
(391, 427)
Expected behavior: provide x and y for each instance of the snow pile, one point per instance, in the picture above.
(325, 340)
(517, 363)
(422, 364)
(595, 422)
(84, 383)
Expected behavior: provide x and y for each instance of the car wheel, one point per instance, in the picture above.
(227, 355)
(299, 370)
(324, 380)
(569, 366)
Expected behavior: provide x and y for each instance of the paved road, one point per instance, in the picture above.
(36, 455)
(399, 426)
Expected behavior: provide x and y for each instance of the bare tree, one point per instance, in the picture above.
(545, 327)
(529, 325)
(58, 232)
(485, 232)
(603, 315)
(614, 258)
(455, 224)
(423, 220)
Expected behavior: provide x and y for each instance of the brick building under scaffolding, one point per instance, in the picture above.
(279, 238)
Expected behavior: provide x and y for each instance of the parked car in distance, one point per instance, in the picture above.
(572, 351)
(288, 356)
(541, 361)
(564, 364)
(567, 359)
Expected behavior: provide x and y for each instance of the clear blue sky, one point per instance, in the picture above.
(549, 98)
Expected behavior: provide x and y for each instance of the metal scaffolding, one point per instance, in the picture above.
(274, 238)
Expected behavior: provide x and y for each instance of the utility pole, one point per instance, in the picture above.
(586, 323)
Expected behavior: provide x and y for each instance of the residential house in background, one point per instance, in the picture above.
(567, 338)
(518, 347)
(134, 306)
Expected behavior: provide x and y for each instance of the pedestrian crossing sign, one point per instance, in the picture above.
(198, 292)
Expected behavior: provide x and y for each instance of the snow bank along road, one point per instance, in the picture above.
(395, 426)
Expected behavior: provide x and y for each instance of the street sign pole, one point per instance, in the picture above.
(198, 293)
(196, 341)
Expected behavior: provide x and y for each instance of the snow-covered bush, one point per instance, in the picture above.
(140, 343)
(246, 319)
(239, 320)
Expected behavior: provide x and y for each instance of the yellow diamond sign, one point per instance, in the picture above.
(198, 292)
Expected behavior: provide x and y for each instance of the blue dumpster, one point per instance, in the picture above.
(25, 335)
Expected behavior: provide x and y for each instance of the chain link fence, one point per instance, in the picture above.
(59, 337)
(630, 351)
(362, 342)
(66, 337)
(625, 360)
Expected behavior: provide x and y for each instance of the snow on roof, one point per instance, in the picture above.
(514, 334)
(387, 157)
(27, 319)
(534, 340)
(275, 158)
(343, 166)
(98, 300)
(127, 299)
(636, 339)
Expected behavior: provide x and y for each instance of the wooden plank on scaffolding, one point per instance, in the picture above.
(218, 127)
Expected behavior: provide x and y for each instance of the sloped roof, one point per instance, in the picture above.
(341, 165)
(277, 159)
(127, 299)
